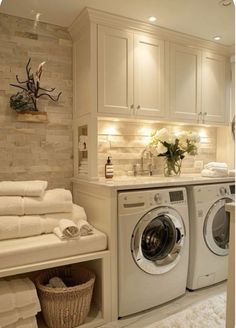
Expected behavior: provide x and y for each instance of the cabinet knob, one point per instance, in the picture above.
(204, 115)
(132, 106)
(138, 107)
(199, 116)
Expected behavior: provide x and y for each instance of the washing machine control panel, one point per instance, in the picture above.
(158, 198)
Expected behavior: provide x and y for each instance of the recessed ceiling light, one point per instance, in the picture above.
(152, 19)
(217, 38)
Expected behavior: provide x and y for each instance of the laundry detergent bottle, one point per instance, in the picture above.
(109, 172)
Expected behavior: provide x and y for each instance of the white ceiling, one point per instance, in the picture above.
(202, 18)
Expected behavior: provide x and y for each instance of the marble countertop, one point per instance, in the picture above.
(139, 182)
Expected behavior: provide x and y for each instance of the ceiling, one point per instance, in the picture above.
(202, 18)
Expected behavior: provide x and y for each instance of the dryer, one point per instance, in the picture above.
(153, 248)
(209, 233)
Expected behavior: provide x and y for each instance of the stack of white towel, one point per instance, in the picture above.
(19, 304)
(215, 169)
(28, 209)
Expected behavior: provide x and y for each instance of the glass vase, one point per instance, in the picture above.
(172, 166)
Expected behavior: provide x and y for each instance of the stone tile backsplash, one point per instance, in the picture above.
(36, 150)
(125, 141)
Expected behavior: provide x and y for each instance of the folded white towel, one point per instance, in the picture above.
(11, 205)
(214, 173)
(67, 229)
(24, 323)
(216, 165)
(85, 228)
(53, 201)
(11, 317)
(23, 188)
(17, 293)
(231, 173)
(25, 226)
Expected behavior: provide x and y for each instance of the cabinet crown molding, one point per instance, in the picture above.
(104, 18)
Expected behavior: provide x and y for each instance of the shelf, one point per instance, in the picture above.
(94, 319)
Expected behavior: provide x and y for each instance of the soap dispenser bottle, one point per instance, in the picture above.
(109, 172)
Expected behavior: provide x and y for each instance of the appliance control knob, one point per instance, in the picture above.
(157, 198)
(223, 191)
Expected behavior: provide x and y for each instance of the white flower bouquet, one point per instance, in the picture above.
(173, 148)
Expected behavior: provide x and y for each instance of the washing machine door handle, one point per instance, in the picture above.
(157, 240)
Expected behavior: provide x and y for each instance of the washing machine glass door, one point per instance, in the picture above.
(216, 228)
(157, 240)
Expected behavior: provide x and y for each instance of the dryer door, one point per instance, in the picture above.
(157, 240)
(216, 228)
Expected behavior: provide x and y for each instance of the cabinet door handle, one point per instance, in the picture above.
(199, 117)
(204, 115)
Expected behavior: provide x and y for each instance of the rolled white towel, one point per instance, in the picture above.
(214, 173)
(34, 188)
(25, 323)
(85, 228)
(53, 201)
(57, 282)
(67, 229)
(213, 165)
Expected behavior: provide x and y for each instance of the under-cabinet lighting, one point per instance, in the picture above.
(152, 19)
(217, 38)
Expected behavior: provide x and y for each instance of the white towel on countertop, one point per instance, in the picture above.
(11, 317)
(53, 201)
(67, 229)
(34, 188)
(214, 173)
(85, 228)
(17, 293)
(215, 165)
(24, 323)
(33, 225)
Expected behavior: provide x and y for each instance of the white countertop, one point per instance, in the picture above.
(139, 182)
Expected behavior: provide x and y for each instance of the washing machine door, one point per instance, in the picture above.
(157, 240)
(216, 228)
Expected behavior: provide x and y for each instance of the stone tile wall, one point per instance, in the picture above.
(36, 150)
(125, 141)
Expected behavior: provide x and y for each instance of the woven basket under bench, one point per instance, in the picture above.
(65, 307)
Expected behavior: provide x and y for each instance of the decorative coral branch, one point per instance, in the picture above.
(32, 87)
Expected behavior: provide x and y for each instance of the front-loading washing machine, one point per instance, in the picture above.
(209, 233)
(153, 247)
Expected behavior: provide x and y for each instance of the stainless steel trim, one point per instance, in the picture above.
(207, 229)
(171, 260)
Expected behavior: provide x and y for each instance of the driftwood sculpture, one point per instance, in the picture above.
(26, 100)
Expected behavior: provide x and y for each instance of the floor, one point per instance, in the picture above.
(148, 317)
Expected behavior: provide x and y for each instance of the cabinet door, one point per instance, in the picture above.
(115, 71)
(185, 83)
(148, 76)
(214, 91)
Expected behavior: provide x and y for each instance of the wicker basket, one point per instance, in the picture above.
(65, 307)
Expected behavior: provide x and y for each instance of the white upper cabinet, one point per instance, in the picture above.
(148, 76)
(115, 71)
(214, 89)
(185, 83)
(130, 74)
